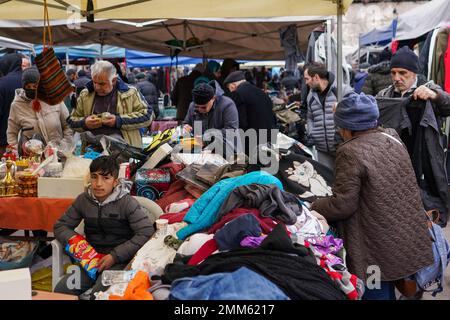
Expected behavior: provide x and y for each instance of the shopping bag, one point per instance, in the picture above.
(53, 86)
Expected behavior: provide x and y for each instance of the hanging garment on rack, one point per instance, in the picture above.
(424, 54)
(447, 67)
(431, 52)
(438, 70)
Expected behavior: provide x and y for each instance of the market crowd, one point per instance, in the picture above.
(382, 145)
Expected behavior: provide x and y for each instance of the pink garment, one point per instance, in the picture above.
(447, 67)
(159, 125)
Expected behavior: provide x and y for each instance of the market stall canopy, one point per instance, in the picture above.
(380, 36)
(6, 43)
(422, 19)
(245, 39)
(156, 9)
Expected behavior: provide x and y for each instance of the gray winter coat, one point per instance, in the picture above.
(320, 119)
(119, 226)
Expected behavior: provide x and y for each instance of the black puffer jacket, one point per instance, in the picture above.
(118, 226)
(150, 94)
(379, 78)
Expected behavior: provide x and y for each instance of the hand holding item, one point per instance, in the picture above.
(108, 119)
(93, 122)
(106, 263)
(187, 128)
(424, 93)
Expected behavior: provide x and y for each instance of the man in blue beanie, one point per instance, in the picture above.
(407, 82)
(376, 200)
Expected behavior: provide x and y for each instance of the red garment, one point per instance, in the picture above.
(174, 217)
(394, 46)
(175, 193)
(174, 168)
(204, 252)
(267, 224)
(447, 67)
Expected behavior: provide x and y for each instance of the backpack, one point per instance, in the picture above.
(434, 274)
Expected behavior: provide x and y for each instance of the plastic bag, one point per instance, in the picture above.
(17, 254)
(77, 168)
(78, 248)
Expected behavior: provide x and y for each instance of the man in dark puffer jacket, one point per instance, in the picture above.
(149, 92)
(379, 78)
(115, 224)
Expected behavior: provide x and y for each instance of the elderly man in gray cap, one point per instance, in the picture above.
(213, 110)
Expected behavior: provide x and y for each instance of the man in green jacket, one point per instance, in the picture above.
(107, 106)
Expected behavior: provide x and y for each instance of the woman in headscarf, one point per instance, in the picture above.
(33, 116)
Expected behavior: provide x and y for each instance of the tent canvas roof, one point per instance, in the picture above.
(156, 9)
(14, 44)
(380, 36)
(222, 38)
(422, 19)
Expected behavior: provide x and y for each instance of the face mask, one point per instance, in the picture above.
(30, 93)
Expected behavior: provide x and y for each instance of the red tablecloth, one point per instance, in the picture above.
(31, 213)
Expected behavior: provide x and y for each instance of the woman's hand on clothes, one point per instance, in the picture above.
(93, 122)
(106, 263)
(110, 121)
(424, 93)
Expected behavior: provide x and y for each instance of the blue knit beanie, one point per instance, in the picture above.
(357, 112)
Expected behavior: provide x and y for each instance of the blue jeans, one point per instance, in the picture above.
(386, 292)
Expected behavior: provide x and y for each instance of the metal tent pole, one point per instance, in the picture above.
(340, 10)
(67, 59)
(329, 51)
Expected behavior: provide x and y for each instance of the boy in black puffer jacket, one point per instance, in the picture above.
(115, 224)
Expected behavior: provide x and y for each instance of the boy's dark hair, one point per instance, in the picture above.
(314, 68)
(105, 165)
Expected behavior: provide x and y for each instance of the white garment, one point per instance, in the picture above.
(307, 225)
(431, 51)
(155, 255)
(193, 243)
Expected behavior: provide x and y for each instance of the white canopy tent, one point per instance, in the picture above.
(7, 43)
(245, 39)
(422, 19)
(158, 9)
(233, 35)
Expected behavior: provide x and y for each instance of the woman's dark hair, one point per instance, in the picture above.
(314, 68)
(105, 165)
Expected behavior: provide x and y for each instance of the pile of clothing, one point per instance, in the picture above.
(243, 238)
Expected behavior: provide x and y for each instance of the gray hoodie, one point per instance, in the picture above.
(118, 226)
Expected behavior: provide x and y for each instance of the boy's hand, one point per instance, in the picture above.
(106, 262)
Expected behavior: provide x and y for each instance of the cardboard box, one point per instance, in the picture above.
(43, 295)
(15, 284)
(60, 188)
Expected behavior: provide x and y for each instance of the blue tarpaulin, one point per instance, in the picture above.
(140, 59)
(87, 51)
(381, 36)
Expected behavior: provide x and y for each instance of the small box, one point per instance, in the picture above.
(15, 284)
(60, 188)
(160, 154)
(152, 183)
